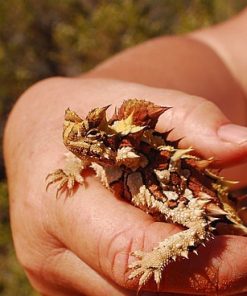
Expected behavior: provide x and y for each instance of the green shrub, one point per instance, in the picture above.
(45, 38)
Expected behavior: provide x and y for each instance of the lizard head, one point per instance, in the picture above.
(88, 138)
(96, 139)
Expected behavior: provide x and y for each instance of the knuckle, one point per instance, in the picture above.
(116, 255)
(115, 259)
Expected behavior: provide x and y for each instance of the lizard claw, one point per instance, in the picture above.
(150, 264)
(69, 176)
(64, 180)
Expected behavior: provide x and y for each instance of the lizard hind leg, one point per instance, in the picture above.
(68, 177)
(176, 246)
(192, 216)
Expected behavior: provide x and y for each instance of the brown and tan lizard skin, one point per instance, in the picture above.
(142, 166)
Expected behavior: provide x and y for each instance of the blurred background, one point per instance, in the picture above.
(43, 38)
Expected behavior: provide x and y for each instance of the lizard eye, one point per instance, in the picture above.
(93, 133)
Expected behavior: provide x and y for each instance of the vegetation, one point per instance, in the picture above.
(44, 38)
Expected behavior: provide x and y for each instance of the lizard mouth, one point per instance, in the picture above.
(93, 151)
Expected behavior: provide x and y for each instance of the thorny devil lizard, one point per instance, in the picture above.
(142, 166)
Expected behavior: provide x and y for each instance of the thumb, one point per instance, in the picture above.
(202, 125)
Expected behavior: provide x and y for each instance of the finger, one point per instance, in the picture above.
(103, 231)
(64, 274)
(201, 124)
(218, 269)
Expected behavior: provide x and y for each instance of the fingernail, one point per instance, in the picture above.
(233, 133)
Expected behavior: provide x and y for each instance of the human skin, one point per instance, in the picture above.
(81, 245)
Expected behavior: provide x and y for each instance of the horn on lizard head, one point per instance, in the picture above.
(96, 116)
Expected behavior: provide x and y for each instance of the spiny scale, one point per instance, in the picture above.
(141, 165)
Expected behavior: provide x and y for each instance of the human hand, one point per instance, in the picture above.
(82, 245)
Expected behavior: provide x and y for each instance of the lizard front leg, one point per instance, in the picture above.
(69, 175)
